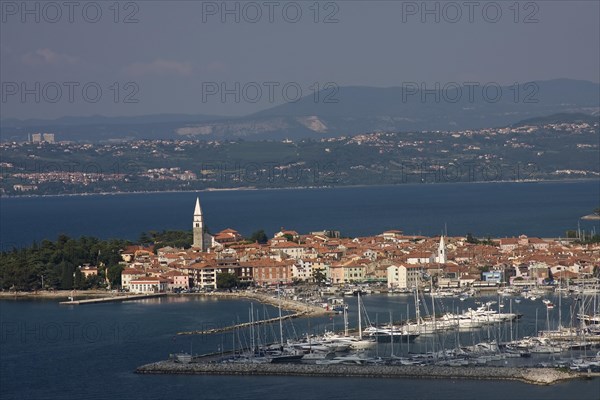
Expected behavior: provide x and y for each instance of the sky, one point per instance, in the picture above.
(234, 58)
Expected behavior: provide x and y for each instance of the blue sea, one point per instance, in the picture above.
(546, 209)
(52, 351)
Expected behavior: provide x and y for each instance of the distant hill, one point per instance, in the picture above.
(560, 118)
(354, 110)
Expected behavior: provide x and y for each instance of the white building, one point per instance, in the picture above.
(148, 285)
(404, 276)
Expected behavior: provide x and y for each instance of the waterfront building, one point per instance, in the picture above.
(492, 276)
(177, 280)
(148, 285)
(404, 276)
(271, 272)
(130, 274)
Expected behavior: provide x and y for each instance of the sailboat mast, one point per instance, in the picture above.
(280, 321)
(359, 318)
(392, 333)
(560, 304)
(345, 321)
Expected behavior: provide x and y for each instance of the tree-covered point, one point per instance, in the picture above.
(179, 239)
(57, 264)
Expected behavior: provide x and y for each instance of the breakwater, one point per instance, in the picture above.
(537, 376)
(243, 325)
(112, 299)
(286, 304)
(298, 308)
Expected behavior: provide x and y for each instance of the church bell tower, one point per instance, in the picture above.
(198, 227)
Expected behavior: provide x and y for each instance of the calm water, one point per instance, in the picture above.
(496, 209)
(61, 352)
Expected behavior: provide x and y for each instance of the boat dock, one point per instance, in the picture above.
(112, 299)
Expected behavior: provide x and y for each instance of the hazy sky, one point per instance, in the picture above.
(178, 56)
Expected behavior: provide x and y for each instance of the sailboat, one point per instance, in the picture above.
(356, 343)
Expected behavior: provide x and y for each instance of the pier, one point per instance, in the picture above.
(243, 325)
(537, 376)
(286, 304)
(112, 299)
(299, 309)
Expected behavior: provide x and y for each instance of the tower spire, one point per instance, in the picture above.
(441, 257)
(197, 210)
(198, 226)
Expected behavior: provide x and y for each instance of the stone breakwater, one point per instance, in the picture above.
(299, 310)
(289, 305)
(537, 376)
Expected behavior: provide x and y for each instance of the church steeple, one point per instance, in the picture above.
(198, 226)
(441, 253)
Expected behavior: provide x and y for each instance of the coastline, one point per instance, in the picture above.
(333, 186)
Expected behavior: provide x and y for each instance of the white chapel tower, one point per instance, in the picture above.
(441, 253)
(198, 227)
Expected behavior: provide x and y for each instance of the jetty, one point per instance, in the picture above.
(298, 308)
(537, 376)
(243, 325)
(112, 299)
(286, 304)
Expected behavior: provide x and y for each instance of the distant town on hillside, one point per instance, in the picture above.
(558, 147)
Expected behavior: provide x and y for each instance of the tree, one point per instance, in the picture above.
(471, 239)
(259, 237)
(114, 275)
(225, 280)
(144, 239)
(319, 276)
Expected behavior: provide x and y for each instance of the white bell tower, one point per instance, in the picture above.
(441, 253)
(198, 227)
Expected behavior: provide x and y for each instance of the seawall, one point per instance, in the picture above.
(537, 376)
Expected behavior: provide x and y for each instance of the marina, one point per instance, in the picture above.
(439, 344)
